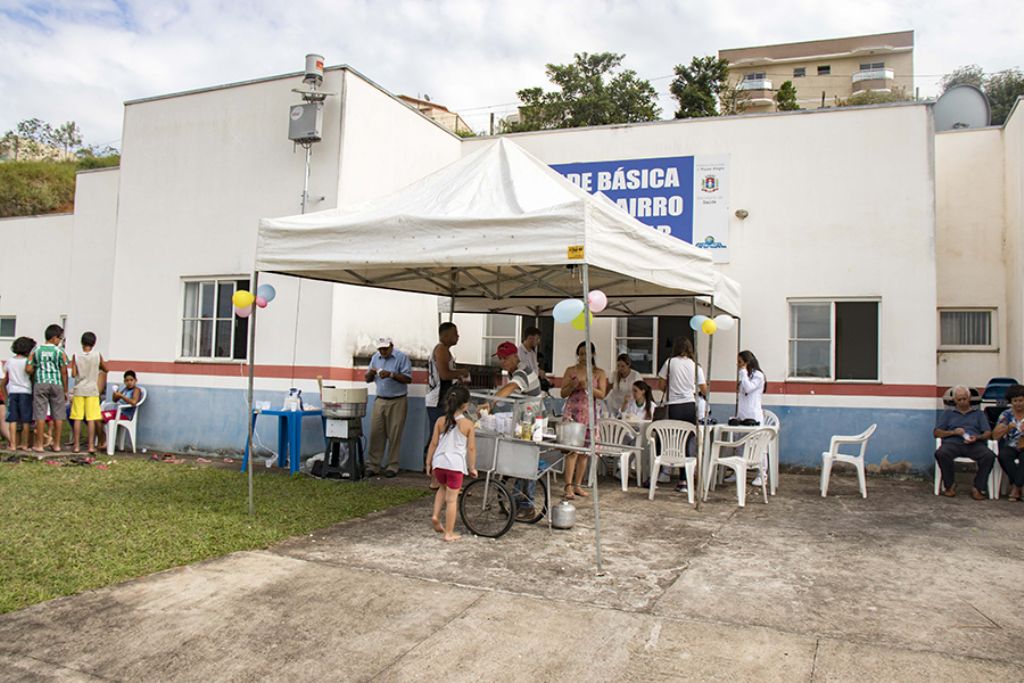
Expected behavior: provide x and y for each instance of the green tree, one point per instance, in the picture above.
(588, 94)
(1003, 89)
(785, 98)
(68, 136)
(972, 74)
(697, 86)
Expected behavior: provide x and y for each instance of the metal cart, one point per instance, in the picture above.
(489, 505)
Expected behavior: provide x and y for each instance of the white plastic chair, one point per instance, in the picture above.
(832, 456)
(772, 420)
(754, 446)
(619, 433)
(668, 440)
(127, 425)
(995, 477)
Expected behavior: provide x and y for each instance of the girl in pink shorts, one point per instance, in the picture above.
(452, 451)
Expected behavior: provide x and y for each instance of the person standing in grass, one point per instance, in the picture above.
(48, 366)
(85, 405)
(450, 456)
(18, 388)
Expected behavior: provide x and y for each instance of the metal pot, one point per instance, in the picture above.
(563, 516)
(343, 403)
(571, 433)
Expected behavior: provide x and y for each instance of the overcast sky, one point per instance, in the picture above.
(80, 60)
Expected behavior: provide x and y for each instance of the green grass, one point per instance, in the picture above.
(69, 529)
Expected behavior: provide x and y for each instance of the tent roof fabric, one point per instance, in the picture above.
(499, 231)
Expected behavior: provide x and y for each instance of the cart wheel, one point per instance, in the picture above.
(486, 508)
(540, 500)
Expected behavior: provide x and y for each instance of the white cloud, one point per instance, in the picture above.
(81, 60)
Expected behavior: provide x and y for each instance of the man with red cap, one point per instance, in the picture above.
(521, 381)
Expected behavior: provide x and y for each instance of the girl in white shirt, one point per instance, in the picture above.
(450, 456)
(751, 388)
(641, 406)
(752, 384)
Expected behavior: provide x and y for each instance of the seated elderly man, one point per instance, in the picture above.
(964, 432)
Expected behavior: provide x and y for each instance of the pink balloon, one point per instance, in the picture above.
(243, 312)
(597, 300)
(261, 302)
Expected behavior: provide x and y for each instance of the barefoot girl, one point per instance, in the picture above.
(452, 449)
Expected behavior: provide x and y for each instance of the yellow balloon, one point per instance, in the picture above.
(580, 323)
(709, 326)
(242, 298)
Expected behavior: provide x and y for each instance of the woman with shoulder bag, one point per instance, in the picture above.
(680, 391)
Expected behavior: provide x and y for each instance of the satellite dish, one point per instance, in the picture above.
(962, 106)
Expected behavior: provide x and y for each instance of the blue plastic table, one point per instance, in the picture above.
(289, 434)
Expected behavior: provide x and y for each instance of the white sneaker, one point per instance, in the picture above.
(663, 478)
(730, 479)
(757, 481)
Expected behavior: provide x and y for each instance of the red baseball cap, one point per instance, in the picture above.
(506, 349)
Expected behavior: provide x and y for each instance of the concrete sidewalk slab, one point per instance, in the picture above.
(902, 586)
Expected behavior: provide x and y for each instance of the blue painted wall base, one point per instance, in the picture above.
(191, 419)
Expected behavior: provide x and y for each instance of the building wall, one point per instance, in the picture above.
(1013, 239)
(969, 230)
(36, 301)
(804, 179)
(93, 242)
(227, 151)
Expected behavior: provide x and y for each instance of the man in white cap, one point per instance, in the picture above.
(392, 372)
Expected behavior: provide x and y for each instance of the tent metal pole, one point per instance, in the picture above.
(592, 478)
(451, 295)
(697, 471)
(739, 328)
(252, 375)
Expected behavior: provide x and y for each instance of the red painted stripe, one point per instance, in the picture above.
(420, 377)
(242, 370)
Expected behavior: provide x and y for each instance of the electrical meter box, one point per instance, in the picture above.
(306, 122)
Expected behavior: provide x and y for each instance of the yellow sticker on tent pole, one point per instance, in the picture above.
(574, 252)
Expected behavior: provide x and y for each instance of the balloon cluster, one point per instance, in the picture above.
(708, 325)
(244, 299)
(572, 310)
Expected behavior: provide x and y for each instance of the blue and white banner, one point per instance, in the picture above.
(686, 197)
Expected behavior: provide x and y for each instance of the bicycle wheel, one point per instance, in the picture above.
(486, 508)
(522, 501)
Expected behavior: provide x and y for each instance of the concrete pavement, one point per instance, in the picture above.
(902, 586)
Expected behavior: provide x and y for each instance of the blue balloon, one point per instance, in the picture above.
(567, 310)
(267, 292)
(696, 321)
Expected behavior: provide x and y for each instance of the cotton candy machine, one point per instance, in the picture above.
(343, 410)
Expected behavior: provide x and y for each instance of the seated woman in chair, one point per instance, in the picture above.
(128, 396)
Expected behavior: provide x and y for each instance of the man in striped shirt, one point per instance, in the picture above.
(48, 367)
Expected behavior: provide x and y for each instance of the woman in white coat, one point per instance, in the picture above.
(752, 384)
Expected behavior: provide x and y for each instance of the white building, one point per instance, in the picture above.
(860, 228)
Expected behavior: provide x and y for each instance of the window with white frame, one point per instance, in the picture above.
(636, 337)
(799, 72)
(834, 340)
(209, 327)
(967, 330)
(872, 66)
(8, 323)
(825, 70)
(499, 328)
(759, 76)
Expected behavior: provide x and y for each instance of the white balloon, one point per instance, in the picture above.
(725, 322)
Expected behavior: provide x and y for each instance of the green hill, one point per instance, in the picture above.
(31, 188)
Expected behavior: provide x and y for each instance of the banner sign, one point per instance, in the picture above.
(686, 197)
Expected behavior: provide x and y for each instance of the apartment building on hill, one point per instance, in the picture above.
(824, 70)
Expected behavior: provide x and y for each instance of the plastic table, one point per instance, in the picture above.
(289, 434)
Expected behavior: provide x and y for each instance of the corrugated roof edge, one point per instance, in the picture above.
(293, 74)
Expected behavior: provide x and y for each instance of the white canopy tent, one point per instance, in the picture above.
(496, 231)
